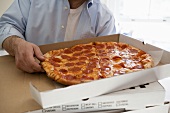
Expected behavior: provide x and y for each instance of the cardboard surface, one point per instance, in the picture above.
(14, 84)
(14, 87)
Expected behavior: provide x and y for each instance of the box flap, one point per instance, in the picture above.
(103, 86)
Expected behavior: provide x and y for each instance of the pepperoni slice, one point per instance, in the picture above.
(55, 64)
(73, 58)
(83, 58)
(88, 47)
(68, 51)
(87, 71)
(69, 64)
(133, 51)
(56, 59)
(75, 69)
(69, 77)
(117, 66)
(101, 51)
(111, 51)
(122, 64)
(102, 54)
(99, 46)
(77, 54)
(78, 48)
(81, 63)
(110, 47)
(92, 65)
(124, 46)
(94, 59)
(87, 51)
(116, 58)
(64, 71)
(65, 57)
(90, 54)
(104, 59)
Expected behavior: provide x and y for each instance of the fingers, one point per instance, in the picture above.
(30, 68)
(24, 57)
(38, 53)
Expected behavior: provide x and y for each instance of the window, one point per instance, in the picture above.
(147, 20)
(140, 9)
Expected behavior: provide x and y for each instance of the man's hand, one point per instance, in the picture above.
(24, 53)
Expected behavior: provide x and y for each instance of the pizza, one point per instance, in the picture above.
(93, 61)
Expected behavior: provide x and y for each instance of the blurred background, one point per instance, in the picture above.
(148, 20)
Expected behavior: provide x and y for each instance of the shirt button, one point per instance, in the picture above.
(62, 26)
(65, 8)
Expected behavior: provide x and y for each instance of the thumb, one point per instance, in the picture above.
(38, 53)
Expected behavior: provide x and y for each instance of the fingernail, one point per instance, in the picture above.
(42, 57)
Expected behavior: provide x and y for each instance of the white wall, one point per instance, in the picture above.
(4, 4)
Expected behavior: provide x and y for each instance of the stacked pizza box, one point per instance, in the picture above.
(134, 98)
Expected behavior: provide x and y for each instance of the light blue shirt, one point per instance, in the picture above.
(44, 21)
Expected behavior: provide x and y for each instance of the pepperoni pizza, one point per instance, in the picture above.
(92, 61)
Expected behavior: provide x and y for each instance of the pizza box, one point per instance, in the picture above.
(155, 109)
(91, 89)
(17, 88)
(129, 99)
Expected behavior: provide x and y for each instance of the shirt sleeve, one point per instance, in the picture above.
(106, 27)
(106, 23)
(14, 20)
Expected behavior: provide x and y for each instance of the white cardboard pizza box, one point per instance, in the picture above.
(140, 97)
(155, 109)
(73, 93)
(15, 93)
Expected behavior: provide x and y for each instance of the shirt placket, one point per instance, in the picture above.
(65, 12)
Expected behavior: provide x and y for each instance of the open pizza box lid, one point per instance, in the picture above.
(61, 95)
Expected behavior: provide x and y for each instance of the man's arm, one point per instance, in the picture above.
(14, 20)
(107, 26)
(24, 53)
(105, 23)
(12, 29)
